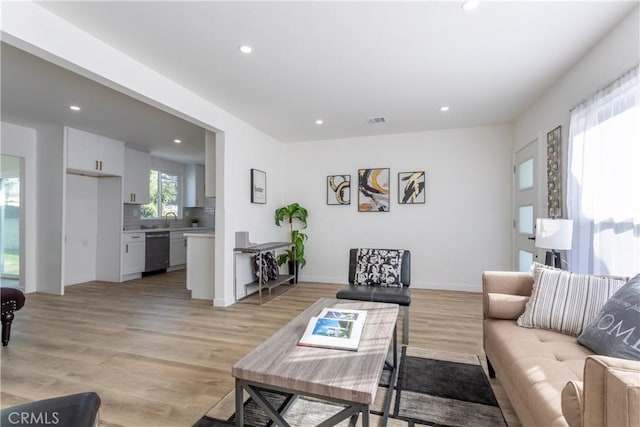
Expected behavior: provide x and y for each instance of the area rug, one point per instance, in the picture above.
(437, 389)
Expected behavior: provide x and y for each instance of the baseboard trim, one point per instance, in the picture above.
(222, 302)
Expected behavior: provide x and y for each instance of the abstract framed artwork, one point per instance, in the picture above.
(554, 183)
(339, 189)
(258, 187)
(373, 190)
(411, 188)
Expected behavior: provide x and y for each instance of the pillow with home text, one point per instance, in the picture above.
(616, 329)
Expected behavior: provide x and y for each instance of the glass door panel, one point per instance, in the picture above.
(524, 207)
(10, 219)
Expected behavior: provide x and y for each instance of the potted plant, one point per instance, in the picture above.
(290, 213)
(195, 222)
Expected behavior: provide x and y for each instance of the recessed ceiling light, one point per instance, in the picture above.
(444, 108)
(470, 4)
(319, 122)
(177, 141)
(74, 107)
(245, 49)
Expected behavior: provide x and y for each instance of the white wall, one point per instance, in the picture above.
(463, 229)
(50, 208)
(21, 142)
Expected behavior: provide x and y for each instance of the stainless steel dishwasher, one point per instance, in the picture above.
(157, 251)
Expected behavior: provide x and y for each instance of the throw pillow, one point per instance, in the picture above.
(565, 302)
(379, 267)
(616, 329)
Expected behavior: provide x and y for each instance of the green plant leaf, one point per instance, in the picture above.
(288, 214)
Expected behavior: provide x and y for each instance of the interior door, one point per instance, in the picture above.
(525, 180)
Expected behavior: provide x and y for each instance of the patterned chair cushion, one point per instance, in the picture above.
(379, 267)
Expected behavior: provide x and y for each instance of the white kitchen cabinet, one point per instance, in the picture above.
(92, 154)
(133, 252)
(136, 176)
(177, 249)
(194, 188)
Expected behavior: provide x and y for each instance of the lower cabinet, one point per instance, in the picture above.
(133, 251)
(177, 249)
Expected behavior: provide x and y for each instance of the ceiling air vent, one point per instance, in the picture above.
(376, 120)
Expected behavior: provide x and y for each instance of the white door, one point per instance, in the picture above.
(525, 179)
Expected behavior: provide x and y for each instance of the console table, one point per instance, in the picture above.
(260, 284)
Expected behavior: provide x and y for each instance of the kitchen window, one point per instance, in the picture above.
(165, 194)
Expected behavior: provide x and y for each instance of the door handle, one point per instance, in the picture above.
(532, 238)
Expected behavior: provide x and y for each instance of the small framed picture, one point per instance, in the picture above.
(411, 188)
(339, 189)
(258, 186)
(373, 190)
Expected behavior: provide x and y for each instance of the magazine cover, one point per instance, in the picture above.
(335, 328)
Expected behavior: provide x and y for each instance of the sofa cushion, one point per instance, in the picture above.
(616, 329)
(506, 306)
(566, 302)
(538, 364)
(379, 267)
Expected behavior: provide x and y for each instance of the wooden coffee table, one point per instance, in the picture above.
(346, 377)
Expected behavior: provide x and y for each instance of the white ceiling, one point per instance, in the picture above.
(346, 61)
(36, 92)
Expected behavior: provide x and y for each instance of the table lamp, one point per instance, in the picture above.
(554, 234)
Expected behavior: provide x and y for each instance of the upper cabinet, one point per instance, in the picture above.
(92, 154)
(194, 188)
(136, 176)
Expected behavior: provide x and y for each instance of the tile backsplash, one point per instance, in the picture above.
(132, 219)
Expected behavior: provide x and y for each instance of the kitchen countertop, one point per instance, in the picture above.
(184, 229)
(195, 234)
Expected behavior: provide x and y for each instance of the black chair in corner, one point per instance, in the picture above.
(12, 301)
(391, 295)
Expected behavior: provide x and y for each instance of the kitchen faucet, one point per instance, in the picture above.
(166, 218)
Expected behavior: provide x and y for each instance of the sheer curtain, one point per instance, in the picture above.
(603, 180)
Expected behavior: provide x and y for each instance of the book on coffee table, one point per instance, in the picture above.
(335, 328)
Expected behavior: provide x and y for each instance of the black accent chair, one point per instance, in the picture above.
(392, 295)
(74, 410)
(12, 301)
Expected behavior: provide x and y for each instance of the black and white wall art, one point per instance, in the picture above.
(411, 188)
(258, 186)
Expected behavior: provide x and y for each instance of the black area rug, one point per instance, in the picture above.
(430, 392)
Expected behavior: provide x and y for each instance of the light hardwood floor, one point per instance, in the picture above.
(158, 358)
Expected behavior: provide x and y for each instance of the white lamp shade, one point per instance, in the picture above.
(554, 233)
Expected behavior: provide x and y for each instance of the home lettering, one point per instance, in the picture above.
(607, 324)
